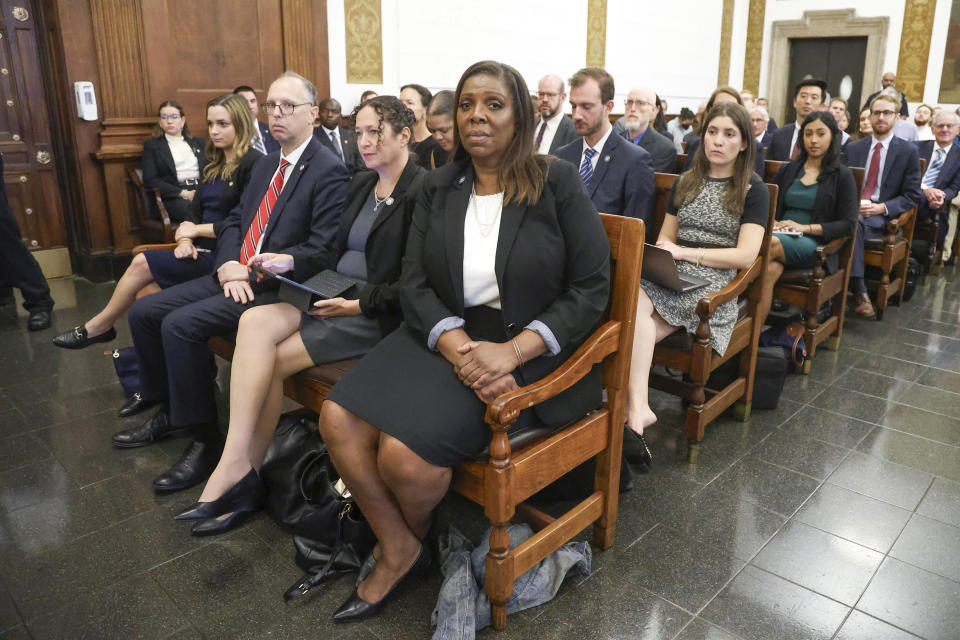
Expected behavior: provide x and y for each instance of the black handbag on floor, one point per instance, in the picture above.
(291, 449)
(332, 538)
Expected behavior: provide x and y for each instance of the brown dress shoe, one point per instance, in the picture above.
(864, 309)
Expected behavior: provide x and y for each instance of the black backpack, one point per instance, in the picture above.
(914, 275)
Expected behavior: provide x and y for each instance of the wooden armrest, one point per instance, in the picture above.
(901, 221)
(140, 248)
(505, 408)
(833, 246)
(709, 303)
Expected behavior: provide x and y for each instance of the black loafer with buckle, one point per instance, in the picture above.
(77, 338)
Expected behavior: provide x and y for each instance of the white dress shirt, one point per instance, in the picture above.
(481, 231)
(552, 125)
(885, 146)
(599, 149)
(793, 140)
(184, 159)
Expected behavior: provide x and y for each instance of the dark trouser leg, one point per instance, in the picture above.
(857, 285)
(146, 317)
(18, 267)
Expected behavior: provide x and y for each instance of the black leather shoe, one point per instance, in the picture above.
(38, 321)
(636, 451)
(156, 428)
(356, 608)
(194, 466)
(77, 338)
(135, 404)
(214, 527)
(246, 495)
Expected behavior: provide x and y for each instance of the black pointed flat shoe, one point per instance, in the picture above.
(356, 608)
(135, 404)
(214, 527)
(246, 495)
(636, 451)
(77, 338)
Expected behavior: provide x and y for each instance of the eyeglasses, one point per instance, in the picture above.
(286, 108)
(639, 104)
(170, 116)
(885, 114)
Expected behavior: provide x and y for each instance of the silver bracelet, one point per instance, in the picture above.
(516, 348)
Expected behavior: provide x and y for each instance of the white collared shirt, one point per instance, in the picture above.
(184, 160)
(293, 158)
(796, 132)
(884, 147)
(552, 125)
(599, 149)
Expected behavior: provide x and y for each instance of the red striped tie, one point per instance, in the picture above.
(250, 241)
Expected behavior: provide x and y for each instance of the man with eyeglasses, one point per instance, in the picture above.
(941, 180)
(808, 94)
(555, 129)
(291, 206)
(891, 187)
(638, 114)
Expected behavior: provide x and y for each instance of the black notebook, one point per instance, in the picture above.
(323, 286)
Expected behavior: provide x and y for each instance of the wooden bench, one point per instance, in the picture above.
(516, 467)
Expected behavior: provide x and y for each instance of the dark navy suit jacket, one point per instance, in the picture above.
(900, 182)
(948, 180)
(780, 143)
(566, 133)
(623, 180)
(305, 217)
(663, 154)
(267, 137)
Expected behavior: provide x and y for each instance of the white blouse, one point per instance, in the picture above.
(481, 230)
(183, 158)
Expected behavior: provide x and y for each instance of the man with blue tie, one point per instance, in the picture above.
(617, 175)
(941, 181)
(262, 139)
(891, 187)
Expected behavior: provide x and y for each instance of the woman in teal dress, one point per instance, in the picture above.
(818, 198)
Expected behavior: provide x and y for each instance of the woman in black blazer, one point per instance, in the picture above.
(277, 340)
(224, 179)
(818, 198)
(167, 163)
(506, 273)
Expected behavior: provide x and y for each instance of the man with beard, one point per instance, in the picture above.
(891, 187)
(617, 175)
(555, 129)
(923, 118)
(638, 116)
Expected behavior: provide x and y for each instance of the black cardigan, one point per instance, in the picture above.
(835, 208)
(380, 296)
(232, 191)
(159, 171)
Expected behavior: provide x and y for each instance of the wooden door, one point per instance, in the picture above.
(838, 61)
(29, 170)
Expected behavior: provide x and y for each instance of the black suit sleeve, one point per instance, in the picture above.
(910, 193)
(328, 199)
(153, 178)
(639, 188)
(841, 222)
(951, 188)
(575, 313)
(422, 308)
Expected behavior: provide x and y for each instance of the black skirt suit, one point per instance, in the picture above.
(340, 338)
(160, 173)
(167, 269)
(552, 264)
(835, 207)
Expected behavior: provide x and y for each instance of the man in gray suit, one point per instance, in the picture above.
(638, 116)
(555, 128)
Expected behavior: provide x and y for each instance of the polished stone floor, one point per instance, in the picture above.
(837, 515)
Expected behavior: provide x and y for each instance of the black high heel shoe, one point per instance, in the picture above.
(636, 451)
(356, 608)
(245, 496)
(214, 527)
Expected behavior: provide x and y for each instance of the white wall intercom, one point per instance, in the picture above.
(86, 100)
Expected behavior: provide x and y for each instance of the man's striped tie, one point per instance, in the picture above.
(250, 241)
(586, 169)
(933, 172)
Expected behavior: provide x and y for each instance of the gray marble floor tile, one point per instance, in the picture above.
(867, 521)
(930, 545)
(942, 502)
(775, 488)
(700, 629)
(804, 455)
(860, 626)
(930, 399)
(852, 404)
(913, 451)
(826, 426)
(910, 598)
(899, 485)
(926, 424)
(871, 383)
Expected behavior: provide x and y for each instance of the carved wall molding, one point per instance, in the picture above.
(596, 33)
(118, 37)
(915, 47)
(754, 53)
(726, 29)
(297, 19)
(824, 24)
(364, 41)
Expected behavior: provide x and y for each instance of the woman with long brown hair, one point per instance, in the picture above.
(505, 275)
(714, 226)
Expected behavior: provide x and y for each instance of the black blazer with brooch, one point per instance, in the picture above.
(159, 171)
(380, 297)
(552, 264)
(835, 207)
(305, 217)
(232, 190)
